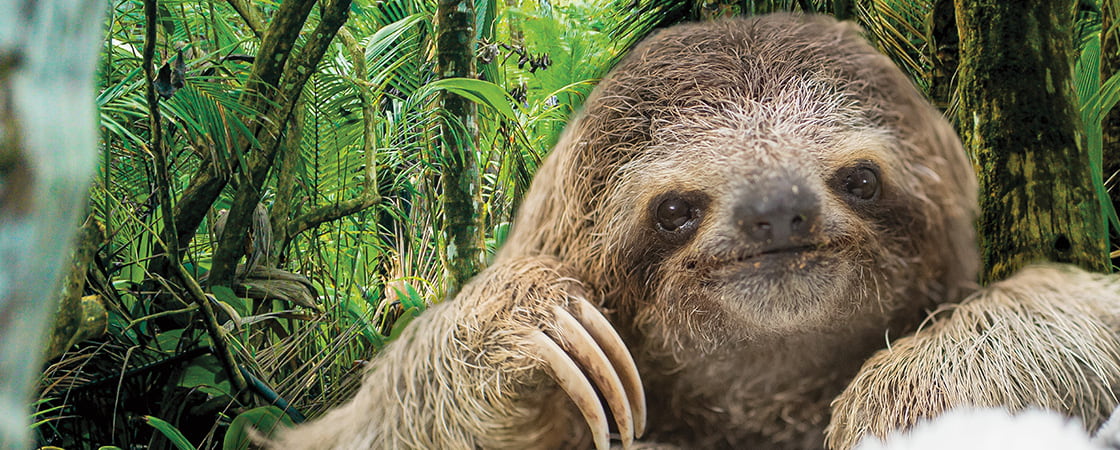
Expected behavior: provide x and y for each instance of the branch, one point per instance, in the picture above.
(286, 187)
(369, 111)
(209, 181)
(329, 213)
(332, 18)
(155, 127)
(295, 76)
(216, 332)
(370, 195)
(276, 47)
(250, 14)
(79, 318)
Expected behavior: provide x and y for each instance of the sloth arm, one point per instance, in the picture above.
(497, 367)
(1046, 337)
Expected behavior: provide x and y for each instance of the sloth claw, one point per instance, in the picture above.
(620, 359)
(583, 348)
(572, 381)
(586, 340)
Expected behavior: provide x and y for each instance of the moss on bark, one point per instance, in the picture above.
(1019, 119)
(461, 232)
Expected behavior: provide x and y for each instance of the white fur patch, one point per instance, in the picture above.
(989, 429)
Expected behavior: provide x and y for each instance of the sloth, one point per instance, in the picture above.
(738, 244)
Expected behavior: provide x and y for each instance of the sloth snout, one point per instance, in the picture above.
(777, 214)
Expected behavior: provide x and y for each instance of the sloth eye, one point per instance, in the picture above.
(860, 182)
(673, 213)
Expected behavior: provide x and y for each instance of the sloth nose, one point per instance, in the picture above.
(778, 214)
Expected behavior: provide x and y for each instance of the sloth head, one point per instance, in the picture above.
(758, 178)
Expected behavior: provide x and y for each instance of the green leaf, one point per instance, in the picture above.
(402, 322)
(225, 295)
(45, 412)
(264, 419)
(206, 371)
(478, 91)
(1100, 103)
(170, 432)
(501, 232)
(168, 341)
(413, 299)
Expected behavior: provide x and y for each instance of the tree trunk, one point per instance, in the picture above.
(1110, 124)
(1020, 121)
(461, 235)
(48, 148)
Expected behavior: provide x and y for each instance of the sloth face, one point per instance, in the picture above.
(748, 222)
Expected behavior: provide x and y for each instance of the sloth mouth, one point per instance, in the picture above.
(787, 250)
(756, 259)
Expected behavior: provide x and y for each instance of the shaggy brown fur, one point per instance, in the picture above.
(1045, 338)
(649, 208)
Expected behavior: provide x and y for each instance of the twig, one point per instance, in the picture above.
(137, 321)
(216, 332)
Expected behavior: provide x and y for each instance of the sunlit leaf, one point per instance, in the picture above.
(264, 419)
(170, 432)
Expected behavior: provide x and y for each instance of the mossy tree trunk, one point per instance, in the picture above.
(48, 148)
(78, 318)
(461, 238)
(1019, 120)
(1110, 65)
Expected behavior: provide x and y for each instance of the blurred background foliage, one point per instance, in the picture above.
(341, 251)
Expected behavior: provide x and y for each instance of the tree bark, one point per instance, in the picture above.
(156, 148)
(78, 318)
(48, 148)
(461, 235)
(1020, 120)
(1110, 65)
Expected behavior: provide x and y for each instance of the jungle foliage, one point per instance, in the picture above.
(267, 212)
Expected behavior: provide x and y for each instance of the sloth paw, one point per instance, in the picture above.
(582, 338)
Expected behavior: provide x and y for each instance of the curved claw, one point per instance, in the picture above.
(617, 352)
(584, 349)
(572, 381)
